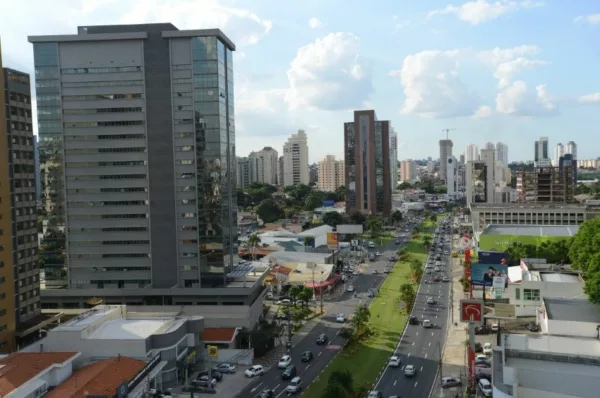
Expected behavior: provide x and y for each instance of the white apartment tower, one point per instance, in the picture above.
(408, 170)
(571, 148)
(445, 153)
(472, 153)
(295, 160)
(559, 151)
(394, 158)
(266, 165)
(542, 157)
(331, 174)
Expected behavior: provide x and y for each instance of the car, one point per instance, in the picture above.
(214, 374)
(375, 394)
(413, 320)
(322, 339)
(427, 324)
(532, 327)
(495, 327)
(486, 387)
(450, 381)
(430, 300)
(487, 349)
(289, 373)
(482, 329)
(340, 318)
(294, 386)
(267, 394)
(478, 347)
(371, 245)
(394, 361)
(255, 370)
(284, 362)
(445, 279)
(397, 241)
(355, 273)
(269, 296)
(350, 288)
(284, 302)
(307, 356)
(224, 368)
(437, 269)
(375, 272)
(436, 278)
(410, 370)
(428, 270)
(438, 263)
(377, 254)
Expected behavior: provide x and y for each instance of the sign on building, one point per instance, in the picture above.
(471, 311)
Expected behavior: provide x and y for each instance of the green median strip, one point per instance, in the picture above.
(365, 359)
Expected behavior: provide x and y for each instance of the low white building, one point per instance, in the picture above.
(528, 288)
(318, 233)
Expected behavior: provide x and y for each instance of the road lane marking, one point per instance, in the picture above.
(421, 369)
(256, 388)
(275, 388)
(413, 343)
(281, 393)
(432, 333)
(416, 382)
(408, 356)
(429, 344)
(395, 381)
(319, 354)
(306, 368)
(417, 333)
(436, 316)
(425, 355)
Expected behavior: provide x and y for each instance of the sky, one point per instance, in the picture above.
(502, 71)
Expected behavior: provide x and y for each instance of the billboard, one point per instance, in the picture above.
(503, 242)
(349, 228)
(494, 257)
(471, 311)
(483, 274)
(332, 240)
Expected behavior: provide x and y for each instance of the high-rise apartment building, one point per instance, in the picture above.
(559, 151)
(246, 171)
(542, 158)
(472, 153)
(331, 174)
(137, 151)
(265, 165)
(394, 158)
(445, 153)
(571, 148)
(461, 159)
(295, 159)
(479, 184)
(367, 164)
(19, 264)
(280, 171)
(502, 153)
(408, 170)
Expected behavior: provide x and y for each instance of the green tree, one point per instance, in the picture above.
(305, 295)
(295, 292)
(340, 193)
(253, 243)
(343, 378)
(312, 201)
(427, 241)
(334, 390)
(375, 225)
(404, 185)
(269, 211)
(297, 193)
(333, 218)
(360, 320)
(417, 269)
(309, 241)
(585, 256)
(396, 216)
(357, 218)
(407, 295)
(517, 250)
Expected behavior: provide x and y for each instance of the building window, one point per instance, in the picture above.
(518, 294)
(531, 294)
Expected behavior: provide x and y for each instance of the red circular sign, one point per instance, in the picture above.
(471, 311)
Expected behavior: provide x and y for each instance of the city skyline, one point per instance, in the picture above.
(501, 72)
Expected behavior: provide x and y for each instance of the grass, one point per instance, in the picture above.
(364, 359)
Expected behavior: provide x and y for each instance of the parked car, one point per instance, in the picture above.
(478, 347)
(482, 329)
(451, 381)
(204, 381)
(533, 327)
(307, 356)
(486, 387)
(322, 339)
(394, 361)
(487, 349)
(214, 374)
(495, 327)
(255, 370)
(224, 368)
(284, 362)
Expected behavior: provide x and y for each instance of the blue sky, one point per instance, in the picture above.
(508, 71)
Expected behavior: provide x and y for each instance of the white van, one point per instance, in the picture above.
(486, 387)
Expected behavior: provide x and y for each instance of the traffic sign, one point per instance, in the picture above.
(471, 311)
(213, 351)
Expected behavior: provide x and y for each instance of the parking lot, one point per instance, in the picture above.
(228, 387)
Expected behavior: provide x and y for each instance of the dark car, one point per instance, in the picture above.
(307, 356)
(482, 330)
(218, 376)
(478, 347)
(413, 320)
(322, 339)
(267, 394)
(289, 373)
(532, 327)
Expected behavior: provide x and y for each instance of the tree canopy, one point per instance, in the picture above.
(269, 211)
(585, 256)
(333, 218)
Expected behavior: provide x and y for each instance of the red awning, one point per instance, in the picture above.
(329, 282)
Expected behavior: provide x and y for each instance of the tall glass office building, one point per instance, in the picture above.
(137, 160)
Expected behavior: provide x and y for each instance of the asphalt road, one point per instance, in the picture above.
(419, 346)
(344, 303)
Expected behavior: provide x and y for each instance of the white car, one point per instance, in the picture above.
(294, 386)
(394, 361)
(445, 279)
(487, 349)
(409, 370)
(427, 324)
(355, 273)
(495, 327)
(255, 370)
(430, 300)
(437, 269)
(341, 318)
(438, 263)
(284, 362)
(350, 288)
(284, 302)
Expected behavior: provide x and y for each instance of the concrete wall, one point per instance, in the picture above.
(547, 289)
(570, 328)
(496, 393)
(523, 392)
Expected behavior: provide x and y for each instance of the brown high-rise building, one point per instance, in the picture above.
(367, 164)
(19, 267)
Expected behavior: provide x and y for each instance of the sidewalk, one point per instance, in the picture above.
(455, 350)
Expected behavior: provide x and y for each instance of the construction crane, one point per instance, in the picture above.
(447, 131)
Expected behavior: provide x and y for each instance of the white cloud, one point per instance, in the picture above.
(314, 23)
(483, 112)
(479, 11)
(590, 18)
(329, 74)
(432, 86)
(518, 100)
(400, 23)
(507, 63)
(589, 99)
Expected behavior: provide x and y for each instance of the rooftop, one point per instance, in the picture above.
(317, 231)
(532, 230)
(574, 310)
(218, 335)
(526, 206)
(129, 329)
(86, 319)
(563, 345)
(98, 379)
(18, 368)
(284, 256)
(563, 277)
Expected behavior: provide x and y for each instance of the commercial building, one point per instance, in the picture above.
(571, 148)
(559, 152)
(541, 155)
(501, 237)
(367, 164)
(19, 264)
(137, 133)
(331, 174)
(522, 214)
(445, 153)
(295, 160)
(408, 170)
(547, 184)
(479, 185)
(471, 153)
(394, 158)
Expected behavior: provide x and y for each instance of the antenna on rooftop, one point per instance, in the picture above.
(447, 131)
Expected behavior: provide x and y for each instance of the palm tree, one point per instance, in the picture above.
(360, 319)
(417, 270)
(295, 292)
(253, 242)
(305, 295)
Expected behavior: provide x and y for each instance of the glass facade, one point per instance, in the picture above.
(215, 158)
(379, 193)
(479, 183)
(350, 162)
(364, 132)
(53, 247)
